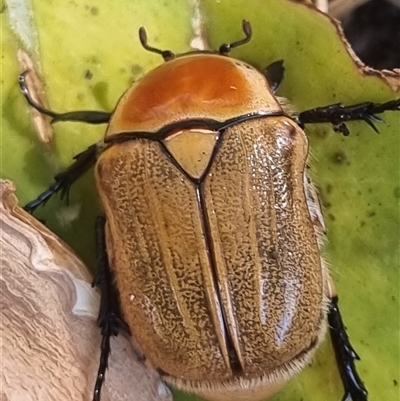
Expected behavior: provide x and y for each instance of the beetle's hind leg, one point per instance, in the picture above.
(85, 116)
(338, 115)
(64, 180)
(345, 354)
(109, 318)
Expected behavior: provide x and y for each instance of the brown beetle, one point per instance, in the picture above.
(212, 228)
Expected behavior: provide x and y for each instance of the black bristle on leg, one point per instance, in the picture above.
(345, 356)
(64, 180)
(338, 115)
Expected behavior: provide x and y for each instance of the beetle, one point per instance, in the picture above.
(209, 248)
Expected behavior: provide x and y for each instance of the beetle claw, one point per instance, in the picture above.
(352, 352)
(376, 118)
(368, 119)
(346, 397)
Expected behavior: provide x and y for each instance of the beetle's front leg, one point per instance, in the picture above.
(84, 116)
(64, 180)
(338, 115)
(109, 318)
(344, 353)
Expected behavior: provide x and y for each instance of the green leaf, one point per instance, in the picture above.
(88, 56)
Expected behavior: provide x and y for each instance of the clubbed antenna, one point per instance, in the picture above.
(226, 47)
(223, 50)
(166, 54)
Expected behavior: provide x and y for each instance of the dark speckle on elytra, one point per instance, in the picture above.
(339, 157)
(371, 213)
(94, 11)
(331, 217)
(397, 192)
(395, 383)
(362, 223)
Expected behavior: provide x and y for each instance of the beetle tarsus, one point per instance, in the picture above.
(345, 356)
(338, 115)
(85, 116)
(109, 318)
(64, 180)
(104, 354)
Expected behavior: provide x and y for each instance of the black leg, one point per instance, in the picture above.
(337, 115)
(64, 180)
(109, 314)
(274, 74)
(345, 356)
(90, 117)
